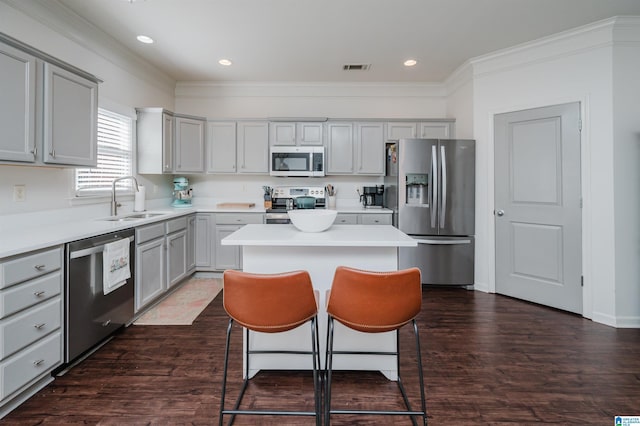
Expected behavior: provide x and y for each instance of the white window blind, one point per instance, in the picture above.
(115, 156)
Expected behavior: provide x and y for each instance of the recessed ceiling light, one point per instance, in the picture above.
(410, 62)
(145, 39)
(225, 62)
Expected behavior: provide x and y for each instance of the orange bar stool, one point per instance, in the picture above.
(375, 302)
(270, 303)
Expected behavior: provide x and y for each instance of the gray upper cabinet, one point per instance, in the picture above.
(169, 143)
(48, 109)
(252, 148)
(355, 148)
(369, 145)
(429, 129)
(221, 147)
(167, 134)
(294, 133)
(401, 130)
(17, 108)
(155, 135)
(339, 148)
(70, 118)
(436, 130)
(189, 144)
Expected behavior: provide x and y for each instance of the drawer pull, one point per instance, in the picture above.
(39, 326)
(38, 362)
(40, 267)
(38, 293)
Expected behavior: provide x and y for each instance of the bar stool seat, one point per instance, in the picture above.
(375, 302)
(270, 303)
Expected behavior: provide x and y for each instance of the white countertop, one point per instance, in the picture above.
(22, 239)
(336, 236)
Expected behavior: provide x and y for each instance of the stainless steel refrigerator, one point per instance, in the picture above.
(430, 186)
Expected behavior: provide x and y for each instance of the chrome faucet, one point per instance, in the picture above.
(114, 203)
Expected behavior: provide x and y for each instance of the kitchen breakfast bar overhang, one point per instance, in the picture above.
(280, 248)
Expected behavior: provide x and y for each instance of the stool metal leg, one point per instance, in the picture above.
(328, 376)
(317, 382)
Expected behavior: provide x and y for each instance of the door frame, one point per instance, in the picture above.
(585, 174)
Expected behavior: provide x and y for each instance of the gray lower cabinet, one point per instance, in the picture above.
(363, 219)
(230, 257)
(191, 243)
(227, 257)
(176, 230)
(162, 255)
(151, 268)
(176, 257)
(31, 315)
(205, 241)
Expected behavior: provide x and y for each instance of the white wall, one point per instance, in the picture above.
(460, 101)
(626, 121)
(127, 83)
(575, 66)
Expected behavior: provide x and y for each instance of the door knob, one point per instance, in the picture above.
(500, 212)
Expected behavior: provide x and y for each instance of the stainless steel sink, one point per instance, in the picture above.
(132, 217)
(144, 215)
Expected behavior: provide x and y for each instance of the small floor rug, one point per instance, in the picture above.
(184, 305)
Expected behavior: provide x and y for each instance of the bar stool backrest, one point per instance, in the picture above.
(375, 302)
(269, 303)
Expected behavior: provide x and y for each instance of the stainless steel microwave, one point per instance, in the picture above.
(296, 161)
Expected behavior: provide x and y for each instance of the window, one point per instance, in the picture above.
(115, 156)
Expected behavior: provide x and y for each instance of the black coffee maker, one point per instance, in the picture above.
(372, 197)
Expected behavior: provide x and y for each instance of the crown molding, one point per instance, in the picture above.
(57, 17)
(206, 89)
(582, 39)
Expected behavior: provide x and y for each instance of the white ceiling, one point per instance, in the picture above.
(310, 40)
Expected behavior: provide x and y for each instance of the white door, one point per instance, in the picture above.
(537, 206)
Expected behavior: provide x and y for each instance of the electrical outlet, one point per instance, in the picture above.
(19, 192)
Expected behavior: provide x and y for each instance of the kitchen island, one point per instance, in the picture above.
(281, 248)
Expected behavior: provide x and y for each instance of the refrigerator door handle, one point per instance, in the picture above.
(443, 183)
(444, 242)
(434, 186)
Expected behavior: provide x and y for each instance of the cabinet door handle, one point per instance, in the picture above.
(38, 293)
(39, 326)
(106, 323)
(53, 152)
(38, 362)
(40, 267)
(34, 151)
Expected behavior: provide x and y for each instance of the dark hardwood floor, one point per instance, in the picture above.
(488, 360)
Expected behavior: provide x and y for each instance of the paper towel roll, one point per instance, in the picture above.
(138, 204)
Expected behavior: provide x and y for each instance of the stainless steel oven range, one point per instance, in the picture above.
(287, 198)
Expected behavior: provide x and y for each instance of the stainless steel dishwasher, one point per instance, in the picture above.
(90, 315)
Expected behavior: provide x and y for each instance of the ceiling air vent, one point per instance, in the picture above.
(356, 67)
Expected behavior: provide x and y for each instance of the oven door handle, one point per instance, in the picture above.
(92, 250)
